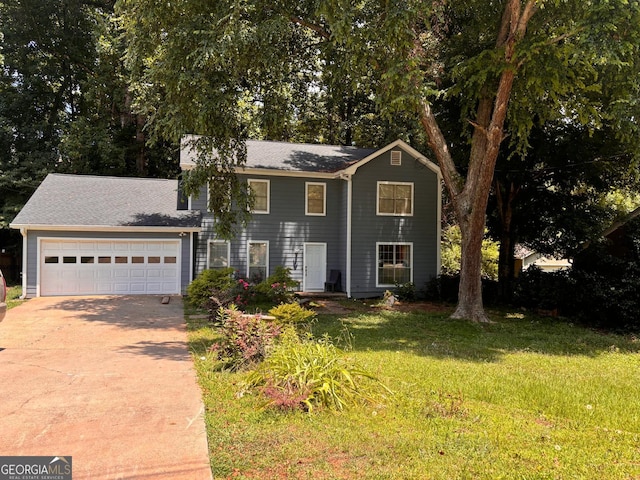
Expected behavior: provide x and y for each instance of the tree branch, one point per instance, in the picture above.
(439, 147)
(530, 8)
(311, 26)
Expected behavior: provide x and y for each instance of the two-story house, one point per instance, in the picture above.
(371, 215)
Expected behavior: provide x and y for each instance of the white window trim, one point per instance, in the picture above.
(268, 182)
(378, 284)
(324, 199)
(249, 258)
(379, 213)
(209, 242)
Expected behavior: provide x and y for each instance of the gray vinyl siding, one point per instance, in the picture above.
(34, 235)
(286, 227)
(199, 202)
(368, 228)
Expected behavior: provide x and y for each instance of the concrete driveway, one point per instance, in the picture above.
(106, 380)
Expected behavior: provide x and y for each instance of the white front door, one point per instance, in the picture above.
(315, 267)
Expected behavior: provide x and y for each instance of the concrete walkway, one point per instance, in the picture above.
(106, 380)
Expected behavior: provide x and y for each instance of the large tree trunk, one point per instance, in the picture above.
(470, 305)
(470, 195)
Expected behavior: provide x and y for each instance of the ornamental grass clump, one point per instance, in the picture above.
(307, 373)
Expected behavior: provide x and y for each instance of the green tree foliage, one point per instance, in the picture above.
(46, 48)
(64, 100)
(508, 64)
(452, 252)
(563, 191)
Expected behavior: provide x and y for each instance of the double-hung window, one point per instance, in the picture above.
(316, 198)
(395, 198)
(260, 190)
(258, 264)
(395, 264)
(218, 254)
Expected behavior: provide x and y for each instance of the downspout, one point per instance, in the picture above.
(23, 232)
(349, 207)
(191, 255)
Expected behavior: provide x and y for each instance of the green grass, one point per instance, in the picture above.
(13, 296)
(524, 397)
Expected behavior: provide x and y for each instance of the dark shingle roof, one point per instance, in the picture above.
(85, 200)
(300, 157)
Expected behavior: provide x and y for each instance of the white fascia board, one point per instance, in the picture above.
(272, 172)
(105, 228)
(401, 144)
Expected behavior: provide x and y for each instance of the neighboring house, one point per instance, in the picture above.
(372, 216)
(525, 258)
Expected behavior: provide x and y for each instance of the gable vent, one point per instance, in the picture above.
(396, 157)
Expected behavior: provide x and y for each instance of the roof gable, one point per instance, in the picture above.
(398, 144)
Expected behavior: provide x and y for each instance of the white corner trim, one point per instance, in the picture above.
(23, 232)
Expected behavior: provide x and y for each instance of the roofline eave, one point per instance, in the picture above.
(104, 228)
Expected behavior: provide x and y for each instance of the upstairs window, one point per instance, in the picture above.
(316, 200)
(260, 190)
(395, 198)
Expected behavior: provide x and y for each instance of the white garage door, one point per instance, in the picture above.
(102, 267)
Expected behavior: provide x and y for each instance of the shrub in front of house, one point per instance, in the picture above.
(277, 288)
(210, 283)
(307, 374)
(246, 339)
(550, 291)
(607, 285)
(292, 314)
(406, 292)
(444, 288)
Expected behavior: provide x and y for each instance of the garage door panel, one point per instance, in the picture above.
(154, 287)
(138, 288)
(138, 273)
(109, 267)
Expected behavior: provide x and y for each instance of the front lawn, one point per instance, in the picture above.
(13, 296)
(524, 397)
